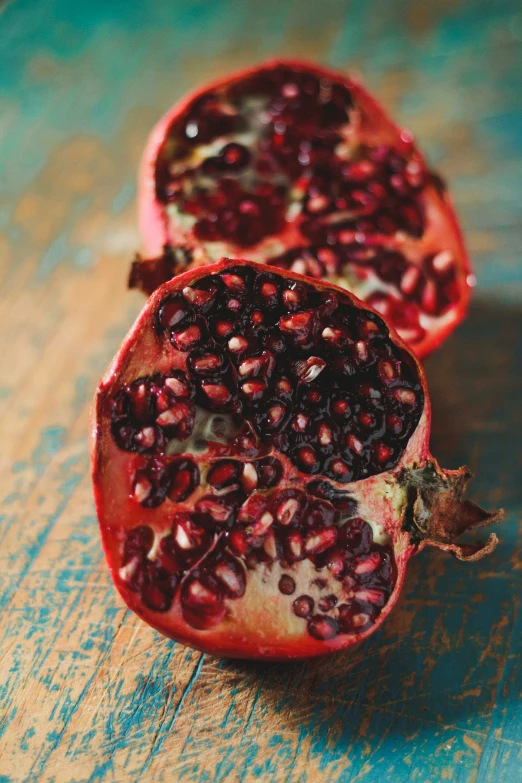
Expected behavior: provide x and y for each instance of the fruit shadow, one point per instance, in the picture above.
(475, 385)
(437, 661)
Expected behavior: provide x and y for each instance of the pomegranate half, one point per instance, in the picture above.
(299, 167)
(261, 465)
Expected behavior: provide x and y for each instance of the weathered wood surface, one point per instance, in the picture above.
(87, 691)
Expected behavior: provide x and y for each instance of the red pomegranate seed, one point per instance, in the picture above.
(187, 339)
(238, 542)
(355, 444)
(237, 344)
(276, 414)
(220, 513)
(286, 512)
(254, 389)
(382, 452)
(234, 282)
(309, 370)
(207, 363)
(367, 564)
(405, 396)
(320, 540)
(293, 546)
(249, 477)
(231, 580)
(224, 328)
(217, 393)
(142, 489)
(410, 279)
(268, 290)
(307, 457)
(370, 596)
(327, 603)
(323, 627)
(269, 545)
(303, 606)
(340, 407)
(178, 387)
(325, 435)
(224, 474)
(286, 585)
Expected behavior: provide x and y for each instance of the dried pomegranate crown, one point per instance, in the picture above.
(261, 464)
(299, 167)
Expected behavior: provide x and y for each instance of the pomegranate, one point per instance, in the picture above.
(261, 465)
(299, 167)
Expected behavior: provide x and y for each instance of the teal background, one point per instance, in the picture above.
(436, 693)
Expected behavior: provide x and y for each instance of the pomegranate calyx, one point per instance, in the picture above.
(147, 274)
(436, 515)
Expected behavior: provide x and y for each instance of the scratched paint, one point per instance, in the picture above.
(87, 692)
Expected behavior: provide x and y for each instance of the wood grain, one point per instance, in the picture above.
(87, 691)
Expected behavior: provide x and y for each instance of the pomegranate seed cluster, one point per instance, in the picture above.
(305, 373)
(304, 387)
(207, 553)
(287, 148)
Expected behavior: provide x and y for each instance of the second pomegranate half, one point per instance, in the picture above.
(299, 167)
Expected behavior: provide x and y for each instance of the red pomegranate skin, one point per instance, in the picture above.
(396, 241)
(243, 540)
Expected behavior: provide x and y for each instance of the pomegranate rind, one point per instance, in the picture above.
(157, 230)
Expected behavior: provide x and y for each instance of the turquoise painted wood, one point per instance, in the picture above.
(87, 692)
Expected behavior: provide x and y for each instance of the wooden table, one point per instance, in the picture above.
(90, 693)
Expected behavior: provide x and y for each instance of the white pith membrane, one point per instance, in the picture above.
(212, 594)
(423, 298)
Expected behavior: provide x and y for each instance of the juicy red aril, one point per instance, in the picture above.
(269, 472)
(230, 576)
(138, 543)
(183, 478)
(202, 295)
(321, 626)
(224, 473)
(173, 311)
(207, 363)
(202, 603)
(289, 506)
(150, 484)
(286, 585)
(186, 544)
(238, 542)
(216, 396)
(319, 540)
(356, 535)
(155, 586)
(293, 549)
(187, 338)
(327, 603)
(214, 510)
(303, 606)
